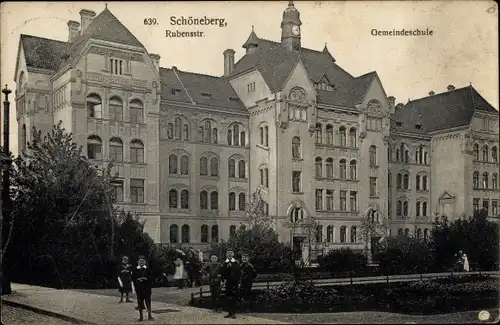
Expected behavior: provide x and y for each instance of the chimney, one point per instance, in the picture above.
(392, 102)
(228, 62)
(399, 106)
(73, 27)
(86, 17)
(156, 60)
(431, 93)
(451, 87)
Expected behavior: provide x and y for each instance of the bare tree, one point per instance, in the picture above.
(256, 213)
(373, 223)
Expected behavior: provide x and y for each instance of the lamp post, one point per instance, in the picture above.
(6, 204)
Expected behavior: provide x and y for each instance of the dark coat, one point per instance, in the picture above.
(143, 281)
(231, 273)
(125, 274)
(214, 273)
(248, 273)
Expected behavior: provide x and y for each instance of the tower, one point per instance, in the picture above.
(290, 28)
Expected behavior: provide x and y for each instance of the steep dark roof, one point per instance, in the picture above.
(347, 93)
(42, 53)
(441, 111)
(202, 89)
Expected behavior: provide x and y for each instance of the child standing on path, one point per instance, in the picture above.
(231, 273)
(248, 275)
(143, 281)
(125, 278)
(213, 270)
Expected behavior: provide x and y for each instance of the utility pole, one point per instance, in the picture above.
(6, 204)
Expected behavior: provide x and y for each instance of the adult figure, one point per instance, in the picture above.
(179, 273)
(231, 273)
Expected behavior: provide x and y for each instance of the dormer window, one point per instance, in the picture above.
(116, 66)
(175, 91)
(234, 99)
(324, 86)
(251, 87)
(206, 95)
(399, 124)
(418, 126)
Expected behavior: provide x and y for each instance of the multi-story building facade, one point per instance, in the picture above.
(190, 149)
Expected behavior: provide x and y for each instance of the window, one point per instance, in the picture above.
(116, 66)
(232, 201)
(426, 234)
(172, 164)
(214, 200)
(343, 200)
(184, 199)
(329, 167)
(343, 234)
(399, 181)
(229, 137)
(424, 183)
(241, 169)
(319, 134)
(353, 201)
(296, 148)
(215, 136)
(261, 130)
(242, 138)
(475, 180)
(342, 134)
(475, 204)
(373, 156)
(170, 131)
(94, 147)
(319, 199)
(214, 166)
(232, 168)
(485, 180)
(207, 132)
(352, 169)
(417, 208)
(494, 207)
(203, 200)
(319, 167)
(419, 233)
(185, 132)
(424, 209)
(476, 151)
(389, 208)
(407, 232)
(296, 214)
(329, 234)
(373, 186)
(417, 182)
(172, 199)
(389, 154)
(353, 234)
(485, 153)
(185, 234)
(494, 157)
(352, 137)
(264, 177)
(115, 109)
(486, 204)
(251, 87)
(203, 166)
(407, 157)
(296, 176)
(136, 151)
(235, 136)
(23, 138)
(136, 111)
(204, 234)
(342, 168)
(400, 231)
(241, 202)
(177, 130)
(329, 134)
(232, 230)
(117, 191)
(405, 208)
(329, 200)
(116, 149)
(184, 165)
(137, 190)
(406, 181)
(200, 133)
(319, 234)
(215, 234)
(389, 181)
(174, 234)
(494, 181)
(94, 106)
(266, 136)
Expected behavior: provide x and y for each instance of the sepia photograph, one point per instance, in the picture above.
(249, 162)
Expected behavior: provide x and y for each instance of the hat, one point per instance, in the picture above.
(141, 257)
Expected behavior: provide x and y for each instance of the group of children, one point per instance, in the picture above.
(236, 278)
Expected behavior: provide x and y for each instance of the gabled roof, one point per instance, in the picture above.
(202, 89)
(441, 111)
(348, 93)
(446, 195)
(42, 53)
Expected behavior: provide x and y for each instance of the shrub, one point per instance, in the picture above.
(342, 260)
(404, 255)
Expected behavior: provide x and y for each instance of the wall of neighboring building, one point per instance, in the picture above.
(250, 97)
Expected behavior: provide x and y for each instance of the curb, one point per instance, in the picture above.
(46, 312)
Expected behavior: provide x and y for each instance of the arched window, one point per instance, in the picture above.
(296, 214)
(417, 206)
(94, 147)
(494, 154)
(329, 134)
(200, 133)
(354, 237)
(476, 151)
(342, 134)
(261, 176)
(485, 153)
(215, 136)
(170, 131)
(214, 166)
(207, 132)
(232, 168)
(174, 234)
(389, 180)
(343, 234)
(485, 180)
(136, 111)
(266, 136)
(399, 181)
(203, 166)
(214, 200)
(241, 169)
(373, 156)
(136, 151)
(232, 201)
(94, 106)
(319, 133)
(399, 210)
(296, 148)
(204, 234)
(261, 130)
(389, 154)
(237, 134)
(342, 168)
(407, 232)
(242, 138)
(266, 177)
(184, 199)
(405, 208)
(215, 234)
(319, 167)
(419, 233)
(417, 182)
(230, 137)
(241, 202)
(424, 209)
(232, 230)
(319, 234)
(352, 169)
(23, 138)
(475, 180)
(329, 234)
(406, 182)
(494, 181)
(400, 231)
(115, 109)
(184, 165)
(185, 234)
(426, 234)
(398, 155)
(407, 157)
(172, 164)
(185, 132)
(352, 137)
(116, 149)
(203, 200)
(329, 167)
(424, 183)
(172, 198)
(177, 130)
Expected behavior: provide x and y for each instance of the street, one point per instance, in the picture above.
(15, 315)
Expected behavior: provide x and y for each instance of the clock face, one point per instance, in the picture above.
(295, 30)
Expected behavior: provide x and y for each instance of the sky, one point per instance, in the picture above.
(462, 50)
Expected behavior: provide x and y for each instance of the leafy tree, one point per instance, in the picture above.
(255, 211)
(373, 223)
(405, 254)
(343, 260)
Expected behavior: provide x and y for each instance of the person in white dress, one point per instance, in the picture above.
(465, 262)
(179, 273)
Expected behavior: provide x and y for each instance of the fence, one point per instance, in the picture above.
(362, 280)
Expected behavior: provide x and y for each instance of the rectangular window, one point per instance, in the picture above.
(486, 205)
(136, 115)
(137, 155)
(296, 176)
(373, 186)
(329, 200)
(251, 87)
(494, 207)
(353, 201)
(117, 191)
(319, 199)
(475, 204)
(137, 190)
(116, 153)
(94, 151)
(116, 66)
(343, 200)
